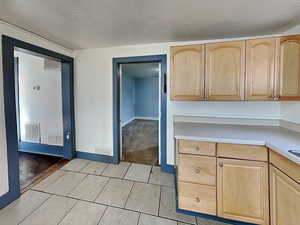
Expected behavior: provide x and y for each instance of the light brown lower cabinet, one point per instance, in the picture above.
(284, 199)
(242, 190)
(197, 198)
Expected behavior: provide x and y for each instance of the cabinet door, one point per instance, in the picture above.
(288, 68)
(285, 199)
(225, 71)
(260, 66)
(242, 190)
(187, 72)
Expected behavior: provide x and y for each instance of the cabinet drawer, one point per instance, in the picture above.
(250, 152)
(288, 167)
(197, 169)
(197, 148)
(197, 198)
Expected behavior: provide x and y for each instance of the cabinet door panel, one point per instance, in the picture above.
(260, 65)
(243, 190)
(197, 198)
(187, 79)
(197, 147)
(197, 169)
(288, 67)
(285, 199)
(225, 71)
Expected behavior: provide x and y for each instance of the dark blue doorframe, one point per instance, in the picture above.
(8, 46)
(162, 59)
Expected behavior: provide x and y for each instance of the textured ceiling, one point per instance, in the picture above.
(97, 23)
(140, 70)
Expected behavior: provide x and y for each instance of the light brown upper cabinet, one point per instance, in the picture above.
(225, 71)
(187, 68)
(288, 68)
(260, 66)
(242, 190)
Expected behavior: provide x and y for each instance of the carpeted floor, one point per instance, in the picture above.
(140, 142)
(33, 165)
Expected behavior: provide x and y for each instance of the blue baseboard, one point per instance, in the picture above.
(41, 149)
(8, 198)
(168, 168)
(96, 157)
(210, 217)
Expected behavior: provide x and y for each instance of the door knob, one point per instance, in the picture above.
(197, 170)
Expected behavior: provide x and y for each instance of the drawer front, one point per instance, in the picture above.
(197, 198)
(197, 169)
(197, 148)
(288, 167)
(250, 152)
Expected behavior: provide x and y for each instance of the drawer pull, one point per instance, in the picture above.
(197, 199)
(221, 164)
(197, 170)
(197, 149)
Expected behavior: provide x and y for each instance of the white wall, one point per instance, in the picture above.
(290, 111)
(94, 131)
(43, 106)
(28, 37)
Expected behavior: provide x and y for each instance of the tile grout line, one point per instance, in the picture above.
(102, 190)
(138, 222)
(85, 177)
(129, 195)
(85, 166)
(128, 168)
(131, 210)
(101, 173)
(149, 175)
(160, 190)
(31, 213)
(68, 212)
(106, 208)
(63, 173)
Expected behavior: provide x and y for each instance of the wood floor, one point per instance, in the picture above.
(33, 166)
(140, 142)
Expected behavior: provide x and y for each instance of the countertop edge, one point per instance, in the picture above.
(243, 142)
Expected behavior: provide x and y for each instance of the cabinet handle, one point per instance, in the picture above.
(197, 149)
(221, 164)
(197, 170)
(197, 199)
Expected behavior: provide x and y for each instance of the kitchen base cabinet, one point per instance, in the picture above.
(197, 198)
(284, 199)
(243, 191)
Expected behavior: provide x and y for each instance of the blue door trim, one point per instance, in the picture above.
(162, 59)
(43, 149)
(95, 157)
(8, 46)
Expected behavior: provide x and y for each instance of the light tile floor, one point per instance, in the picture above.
(90, 193)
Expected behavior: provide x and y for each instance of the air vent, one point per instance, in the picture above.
(32, 132)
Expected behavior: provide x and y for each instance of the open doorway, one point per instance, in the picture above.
(38, 90)
(140, 112)
(140, 138)
(39, 112)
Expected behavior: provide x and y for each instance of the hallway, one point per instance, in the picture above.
(140, 142)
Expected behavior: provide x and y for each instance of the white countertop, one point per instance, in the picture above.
(279, 139)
